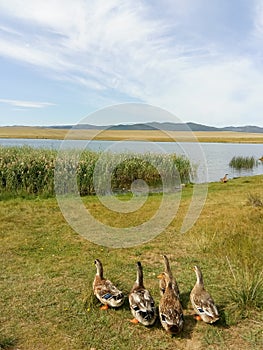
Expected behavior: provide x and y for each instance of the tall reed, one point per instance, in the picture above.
(239, 162)
(26, 170)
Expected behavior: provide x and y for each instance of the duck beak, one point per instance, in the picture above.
(160, 276)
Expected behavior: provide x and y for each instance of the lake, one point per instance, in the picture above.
(212, 159)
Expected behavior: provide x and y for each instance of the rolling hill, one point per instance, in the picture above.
(163, 126)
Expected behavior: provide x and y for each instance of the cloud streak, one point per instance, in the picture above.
(26, 104)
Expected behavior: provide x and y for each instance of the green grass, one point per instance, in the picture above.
(47, 271)
(246, 291)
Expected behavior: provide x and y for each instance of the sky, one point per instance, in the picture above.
(63, 60)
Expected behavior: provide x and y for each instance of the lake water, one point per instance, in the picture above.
(212, 159)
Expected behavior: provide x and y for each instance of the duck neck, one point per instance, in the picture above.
(167, 266)
(99, 270)
(139, 279)
(169, 284)
(199, 278)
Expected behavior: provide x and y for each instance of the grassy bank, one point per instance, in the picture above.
(47, 272)
(149, 135)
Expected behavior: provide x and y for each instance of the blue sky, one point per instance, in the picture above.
(201, 60)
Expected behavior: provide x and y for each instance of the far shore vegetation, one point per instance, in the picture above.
(147, 135)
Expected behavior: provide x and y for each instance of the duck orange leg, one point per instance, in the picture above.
(197, 317)
(104, 307)
(134, 321)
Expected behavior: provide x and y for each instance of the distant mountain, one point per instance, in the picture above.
(78, 126)
(168, 126)
(247, 128)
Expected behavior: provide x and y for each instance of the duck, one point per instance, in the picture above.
(202, 301)
(141, 302)
(162, 280)
(170, 308)
(107, 293)
(224, 179)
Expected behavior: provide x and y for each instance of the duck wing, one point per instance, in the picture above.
(171, 315)
(142, 305)
(204, 304)
(107, 291)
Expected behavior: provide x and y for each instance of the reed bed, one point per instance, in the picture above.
(26, 170)
(239, 162)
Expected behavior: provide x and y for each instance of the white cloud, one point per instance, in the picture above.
(217, 94)
(26, 104)
(258, 19)
(129, 48)
(94, 41)
(8, 30)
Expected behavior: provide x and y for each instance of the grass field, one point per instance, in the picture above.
(47, 271)
(156, 135)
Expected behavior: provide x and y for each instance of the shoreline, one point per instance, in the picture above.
(131, 135)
